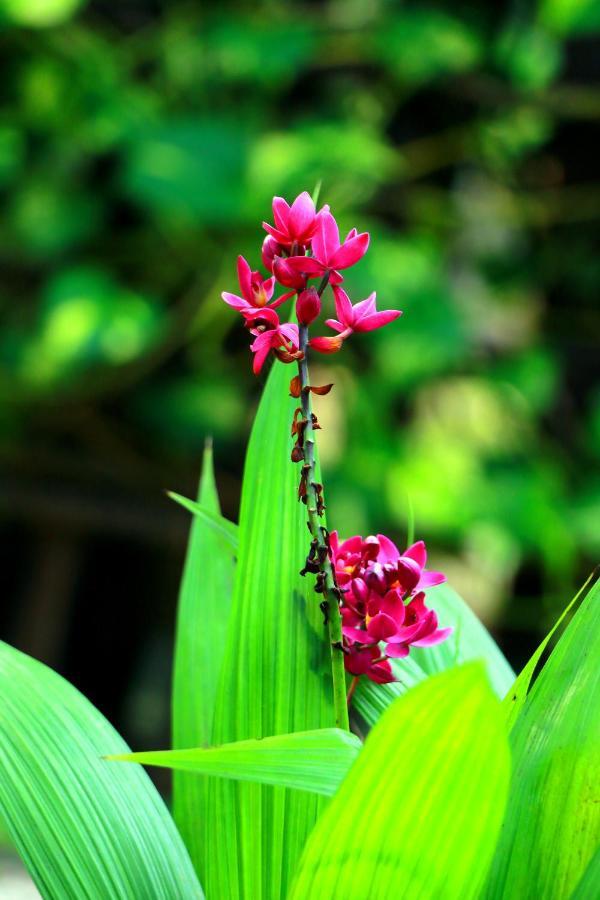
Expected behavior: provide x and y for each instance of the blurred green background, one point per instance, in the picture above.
(140, 146)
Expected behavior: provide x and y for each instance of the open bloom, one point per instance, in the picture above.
(363, 316)
(328, 254)
(256, 290)
(282, 339)
(400, 626)
(384, 597)
(368, 661)
(295, 224)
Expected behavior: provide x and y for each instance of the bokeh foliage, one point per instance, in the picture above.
(140, 145)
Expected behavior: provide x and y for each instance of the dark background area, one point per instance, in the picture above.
(140, 146)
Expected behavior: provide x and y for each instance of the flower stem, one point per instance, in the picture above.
(331, 606)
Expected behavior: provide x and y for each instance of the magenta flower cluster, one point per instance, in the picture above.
(383, 602)
(303, 244)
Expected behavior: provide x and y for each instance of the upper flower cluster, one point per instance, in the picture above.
(301, 245)
(383, 602)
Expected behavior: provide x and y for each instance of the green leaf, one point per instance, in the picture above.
(84, 828)
(550, 831)
(314, 761)
(514, 700)
(470, 640)
(276, 676)
(211, 517)
(202, 620)
(371, 700)
(419, 813)
(587, 889)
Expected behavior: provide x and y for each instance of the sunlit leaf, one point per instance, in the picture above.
(587, 889)
(550, 831)
(218, 523)
(202, 621)
(314, 761)
(419, 812)
(85, 828)
(515, 698)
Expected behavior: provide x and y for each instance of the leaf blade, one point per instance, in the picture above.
(202, 617)
(82, 830)
(314, 761)
(448, 733)
(211, 516)
(550, 830)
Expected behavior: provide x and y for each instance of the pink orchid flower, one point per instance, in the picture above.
(361, 317)
(282, 339)
(256, 290)
(405, 626)
(328, 254)
(368, 661)
(295, 224)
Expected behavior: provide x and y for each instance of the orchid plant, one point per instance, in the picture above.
(372, 594)
(343, 745)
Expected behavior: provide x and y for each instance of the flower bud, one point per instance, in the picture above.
(308, 306)
(286, 275)
(270, 249)
(326, 344)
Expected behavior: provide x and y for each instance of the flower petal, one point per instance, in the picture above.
(436, 638)
(365, 307)
(290, 332)
(350, 252)
(261, 348)
(381, 627)
(377, 320)
(245, 279)
(418, 552)
(326, 239)
(302, 215)
(431, 579)
(235, 301)
(343, 307)
(388, 551)
(397, 651)
(281, 214)
(280, 236)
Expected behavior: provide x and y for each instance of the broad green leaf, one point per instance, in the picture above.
(202, 619)
(552, 822)
(84, 828)
(587, 889)
(469, 641)
(371, 699)
(419, 813)
(514, 700)
(211, 517)
(276, 675)
(314, 761)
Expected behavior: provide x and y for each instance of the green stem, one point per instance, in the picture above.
(330, 589)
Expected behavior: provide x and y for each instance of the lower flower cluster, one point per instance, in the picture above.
(383, 606)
